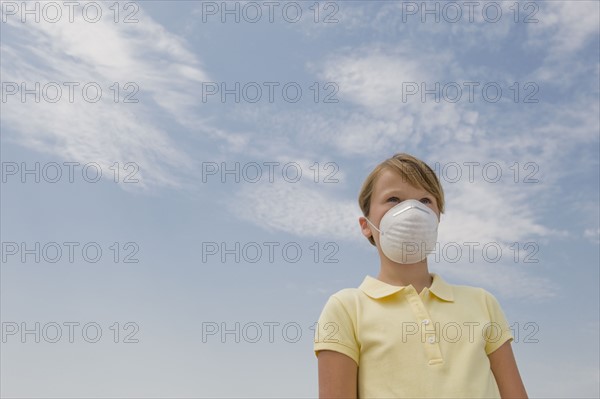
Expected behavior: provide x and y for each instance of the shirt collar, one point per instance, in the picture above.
(378, 289)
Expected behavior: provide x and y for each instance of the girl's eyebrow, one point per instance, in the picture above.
(392, 191)
(400, 193)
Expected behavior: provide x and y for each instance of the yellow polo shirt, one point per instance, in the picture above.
(432, 344)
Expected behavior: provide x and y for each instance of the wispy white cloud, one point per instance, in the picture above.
(467, 24)
(157, 62)
(593, 235)
(504, 278)
(488, 212)
(298, 209)
(376, 80)
(565, 28)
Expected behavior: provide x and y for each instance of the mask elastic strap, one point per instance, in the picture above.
(373, 225)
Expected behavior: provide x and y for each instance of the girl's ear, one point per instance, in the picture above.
(364, 227)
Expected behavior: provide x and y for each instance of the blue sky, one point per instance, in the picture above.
(516, 150)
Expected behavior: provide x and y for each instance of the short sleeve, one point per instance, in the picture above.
(497, 331)
(335, 330)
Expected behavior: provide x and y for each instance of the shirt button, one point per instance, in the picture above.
(431, 340)
(426, 321)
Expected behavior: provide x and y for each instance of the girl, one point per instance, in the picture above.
(409, 333)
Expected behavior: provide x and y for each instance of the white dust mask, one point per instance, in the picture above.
(408, 232)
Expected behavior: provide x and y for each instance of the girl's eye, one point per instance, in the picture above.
(395, 199)
(426, 199)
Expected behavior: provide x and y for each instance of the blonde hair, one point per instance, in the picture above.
(416, 172)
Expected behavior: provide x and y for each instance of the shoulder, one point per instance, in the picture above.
(470, 292)
(347, 297)
(477, 298)
(348, 294)
(474, 298)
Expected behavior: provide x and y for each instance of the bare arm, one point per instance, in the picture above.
(338, 375)
(504, 367)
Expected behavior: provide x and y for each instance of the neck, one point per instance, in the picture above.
(415, 274)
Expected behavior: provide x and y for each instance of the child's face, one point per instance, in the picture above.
(390, 189)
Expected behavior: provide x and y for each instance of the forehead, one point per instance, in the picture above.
(392, 181)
